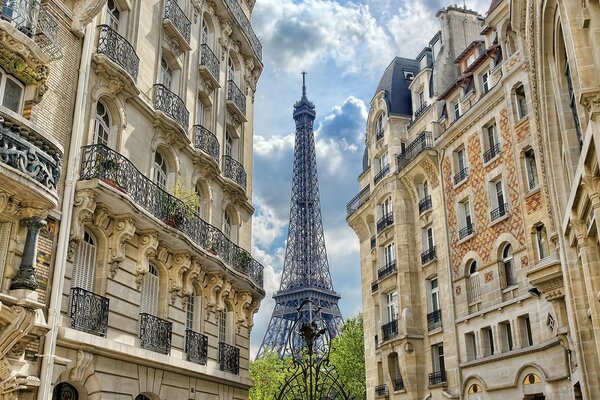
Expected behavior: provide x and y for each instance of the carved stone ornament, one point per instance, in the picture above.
(224, 293)
(147, 245)
(180, 264)
(194, 273)
(212, 285)
(21, 324)
(83, 212)
(243, 301)
(591, 102)
(251, 310)
(84, 367)
(123, 230)
(83, 13)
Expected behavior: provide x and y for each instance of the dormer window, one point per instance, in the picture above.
(409, 76)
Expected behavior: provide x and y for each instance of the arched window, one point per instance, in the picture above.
(507, 266)
(230, 70)
(11, 91)
(541, 238)
(101, 124)
(65, 391)
(84, 264)
(473, 289)
(112, 15)
(149, 292)
(160, 170)
(227, 224)
(166, 73)
(204, 35)
(189, 312)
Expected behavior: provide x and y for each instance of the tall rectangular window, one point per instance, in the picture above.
(541, 238)
(530, 169)
(521, 102)
(427, 238)
(487, 337)
(492, 135)
(456, 109)
(525, 331)
(392, 306)
(389, 255)
(437, 355)
(486, 81)
(222, 324)
(386, 207)
(434, 297)
(506, 335)
(471, 346)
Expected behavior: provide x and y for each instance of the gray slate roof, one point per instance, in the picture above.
(398, 96)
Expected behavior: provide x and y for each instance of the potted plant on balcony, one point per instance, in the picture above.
(186, 204)
(108, 170)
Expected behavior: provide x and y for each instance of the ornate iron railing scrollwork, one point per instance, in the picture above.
(245, 25)
(229, 358)
(390, 330)
(101, 162)
(206, 141)
(88, 311)
(234, 170)
(175, 14)
(437, 377)
(172, 105)
(235, 95)
(434, 319)
(119, 50)
(358, 200)
(386, 270)
(425, 204)
(210, 61)
(196, 347)
(155, 333)
(422, 142)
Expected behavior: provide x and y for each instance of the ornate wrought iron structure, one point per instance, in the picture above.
(155, 333)
(229, 358)
(236, 96)
(312, 376)
(172, 105)
(88, 311)
(119, 50)
(245, 25)
(206, 141)
(210, 61)
(196, 347)
(175, 14)
(305, 270)
(233, 170)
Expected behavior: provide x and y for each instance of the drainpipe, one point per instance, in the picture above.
(72, 166)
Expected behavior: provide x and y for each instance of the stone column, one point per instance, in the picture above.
(25, 277)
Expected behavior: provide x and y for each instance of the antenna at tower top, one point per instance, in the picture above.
(303, 84)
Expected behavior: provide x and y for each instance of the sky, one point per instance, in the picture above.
(344, 46)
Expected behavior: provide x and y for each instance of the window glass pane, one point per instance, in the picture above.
(12, 95)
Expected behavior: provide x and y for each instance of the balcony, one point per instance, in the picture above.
(386, 270)
(88, 312)
(422, 142)
(390, 330)
(209, 64)
(499, 212)
(245, 26)
(461, 175)
(26, 155)
(229, 358)
(101, 162)
(196, 347)
(425, 204)
(381, 174)
(428, 255)
(120, 53)
(385, 221)
(373, 242)
(155, 333)
(491, 153)
(171, 105)
(398, 384)
(381, 390)
(436, 378)
(236, 101)
(207, 142)
(379, 135)
(434, 320)
(420, 111)
(358, 200)
(374, 286)
(466, 231)
(177, 24)
(233, 170)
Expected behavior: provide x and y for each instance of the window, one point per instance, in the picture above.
(471, 346)
(160, 170)
(101, 125)
(456, 108)
(386, 207)
(507, 266)
(427, 238)
(424, 190)
(189, 312)
(541, 238)
(392, 306)
(149, 292)
(421, 99)
(434, 297)
(112, 15)
(227, 224)
(506, 334)
(379, 126)
(486, 79)
(521, 102)
(437, 354)
(228, 144)
(198, 191)
(525, 330)
(473, 278)
(572, 100)
(204, 35)
(464, 214)
(492, 135)
(409, 76)
(84, 264)
(166, 74)
(230, 70)
(201, 113)
(389, 255)
(499, 206)
(222, 324)
(530, 169)
(487, 337)
(460, 166)
(12, 92)
(383, 162)
(499, 193)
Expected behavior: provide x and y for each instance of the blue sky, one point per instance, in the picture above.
(344, 46)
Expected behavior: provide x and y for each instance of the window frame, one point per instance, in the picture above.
(4, 77)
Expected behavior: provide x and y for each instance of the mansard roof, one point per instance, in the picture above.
(395, 84)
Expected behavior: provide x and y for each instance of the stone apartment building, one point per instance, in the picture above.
(469, 288)
(126, 190)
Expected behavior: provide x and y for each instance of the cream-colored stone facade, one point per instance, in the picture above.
(131, 196)
(486, 173)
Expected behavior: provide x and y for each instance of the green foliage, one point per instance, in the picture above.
(269, 374)
(348, 357)
(189, 198)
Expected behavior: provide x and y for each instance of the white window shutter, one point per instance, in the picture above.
(84, 265)
(149, 295)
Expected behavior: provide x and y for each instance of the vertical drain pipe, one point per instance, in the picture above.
(72, 166)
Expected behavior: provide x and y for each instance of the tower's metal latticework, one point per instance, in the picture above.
(305, 270)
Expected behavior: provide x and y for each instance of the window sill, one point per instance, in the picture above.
(429, 262)
(435, 331)
(438, 385)
(460, 183)
(466, 238)
(510, 288)
(400, 391)
(500, 219)
(533, 191)
(491, 160)
(521, 121)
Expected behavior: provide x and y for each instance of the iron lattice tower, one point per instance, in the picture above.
(305, 269)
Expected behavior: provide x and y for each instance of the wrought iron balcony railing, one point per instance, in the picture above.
(381, 390)
(492, 152)
(196, 347)
(390, 330)
(386, 270)
(34, 21)
(172, 105)
(88, 312)
(434, 320)
(210, 61)
(373, 242)
(240, 18)
(233, 170)
(379, 135)
(235, 95)
(425, 204)
(466, 231)
(428, 255)
(229, 358)
(175, 14)
(358, 200)
(461, 175)
(206, 141)
(381, 174)
(25, 150)
(119, 50)
(155, 333)
(398, 384)
(421, 110)
(422, 142)
(374, 286)
(101, 162)
(437, 377)
(499, 212)
(385, 221)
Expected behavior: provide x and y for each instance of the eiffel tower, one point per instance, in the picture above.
(305, 269)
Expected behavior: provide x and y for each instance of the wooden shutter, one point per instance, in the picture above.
(149, 301)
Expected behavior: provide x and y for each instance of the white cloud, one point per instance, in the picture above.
(273, 145)
(266, 225)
